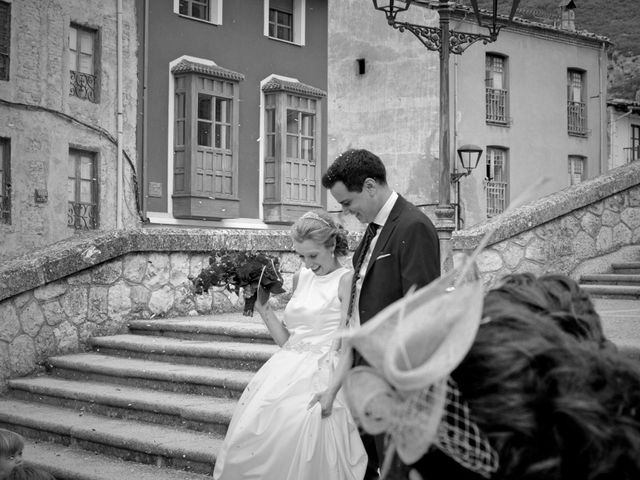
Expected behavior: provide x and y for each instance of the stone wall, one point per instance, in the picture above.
(54, 300)
(560, 232)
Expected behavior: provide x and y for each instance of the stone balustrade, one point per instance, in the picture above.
(54, 300)
(561, 232)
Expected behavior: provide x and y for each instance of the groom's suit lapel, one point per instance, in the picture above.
(387, 230)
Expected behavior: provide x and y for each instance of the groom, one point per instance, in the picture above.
(399, 249)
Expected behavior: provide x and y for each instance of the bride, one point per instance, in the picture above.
(285, 427)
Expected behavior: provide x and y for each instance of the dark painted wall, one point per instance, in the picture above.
(238, 44)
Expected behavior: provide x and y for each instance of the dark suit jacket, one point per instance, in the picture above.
(406, 253)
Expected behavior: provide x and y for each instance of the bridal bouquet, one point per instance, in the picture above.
(235, 270)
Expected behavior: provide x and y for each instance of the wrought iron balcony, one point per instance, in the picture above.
(83, 85)
(82, 216)
(5, 209)
(496, 105)
(496, 197)
(577, 115)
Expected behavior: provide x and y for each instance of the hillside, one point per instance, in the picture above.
(615, 19)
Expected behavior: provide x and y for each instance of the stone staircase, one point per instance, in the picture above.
(616, 296)
(154, 403)
(623, 282)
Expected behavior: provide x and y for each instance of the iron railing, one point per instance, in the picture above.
(496, 105)
(577, 115)
(82, 216)
(496, 197)
(83, 85)
(5, 209)
(4, 66)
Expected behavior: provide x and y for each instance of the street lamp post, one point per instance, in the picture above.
(444, 41)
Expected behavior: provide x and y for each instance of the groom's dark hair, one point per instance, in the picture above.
(352, 168)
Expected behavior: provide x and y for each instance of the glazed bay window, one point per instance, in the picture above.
(577, 169)
(5, 39)
(291, 149)
(497, 181)
(576, 103)
(5, 181)
(205, 168)
(82, 188)
(496, 92)
(634, 151)
(82, 63)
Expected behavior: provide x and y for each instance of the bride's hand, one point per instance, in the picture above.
(262, 299)
(325, 399)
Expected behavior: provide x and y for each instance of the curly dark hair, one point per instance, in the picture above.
(352, 168)
(553, 407)
(320, 227)
(559, 296)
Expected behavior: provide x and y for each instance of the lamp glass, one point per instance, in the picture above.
(469, 156)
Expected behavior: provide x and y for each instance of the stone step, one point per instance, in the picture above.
(126, 439)
(157, 375)
(197, 412)
(626, 267)
(69, 463)
(237, 355)
(611, 279)
(612, 291)
(203, 328)
(621, 323)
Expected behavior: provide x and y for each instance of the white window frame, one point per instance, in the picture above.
(299, 22)
(573, 159)
(215, 12)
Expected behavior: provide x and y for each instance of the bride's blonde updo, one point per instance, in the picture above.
(319, 227)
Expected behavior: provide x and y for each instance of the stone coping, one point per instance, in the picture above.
(73, 255)
(550, 207)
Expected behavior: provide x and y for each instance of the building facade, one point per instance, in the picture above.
(232, 130)
(67, 74)
(624, 131)
(534, 100)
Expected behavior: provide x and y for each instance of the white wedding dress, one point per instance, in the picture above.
(273, 435)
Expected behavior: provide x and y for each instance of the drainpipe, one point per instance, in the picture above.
(145, 65)
(119, 187)
(603, 109)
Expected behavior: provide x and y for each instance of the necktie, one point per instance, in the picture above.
(366, 241)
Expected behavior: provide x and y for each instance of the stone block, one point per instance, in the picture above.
(591, 224)
(107, 273)
(584, 245)
(631, 217)
(489, 261)
(5, 363)
(135, 266)
(31, 319)
(158, 270)
(45, 343)
(621, 235)
(615, 203)
(66, 335)
(22, 356)
(119, 299)
(51, 290)
(75, 303)
(604, 241)
(9, 322)
(161, 301)
(610, 218)
(53, 313)
(98, 303)
(80, 278)
(634, 197)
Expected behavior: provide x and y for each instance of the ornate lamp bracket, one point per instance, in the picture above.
(431, 37)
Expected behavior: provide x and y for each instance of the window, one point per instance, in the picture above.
(576, 106)
(285, 20)
(82, 186)
(205, 169)
(207, 10)
(291, 149)
(281, 19)
(5, 39)
(82, 63)
(496, 89)
(634, 154)
(5, 181)
(497, 184)
(577, 170)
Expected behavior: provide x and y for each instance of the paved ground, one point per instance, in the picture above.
(621, 321)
